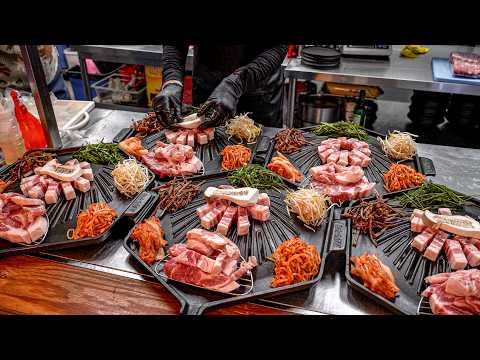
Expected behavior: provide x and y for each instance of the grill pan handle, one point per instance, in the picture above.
(122, 135)
(193, 309)
(426, 166)
(337, 233)
(263, 151)
(140, 204)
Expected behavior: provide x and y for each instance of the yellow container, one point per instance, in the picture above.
(154, 80)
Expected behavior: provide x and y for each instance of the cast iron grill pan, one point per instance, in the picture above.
(260, 242)
(209, 154)
(307, 157)
(63, 214)
(408, 266)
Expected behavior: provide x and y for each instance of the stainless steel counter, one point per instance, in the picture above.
(397, 72)
(458, 168)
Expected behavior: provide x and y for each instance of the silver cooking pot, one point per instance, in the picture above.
(315, 109)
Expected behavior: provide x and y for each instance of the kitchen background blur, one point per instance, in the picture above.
(387, 87)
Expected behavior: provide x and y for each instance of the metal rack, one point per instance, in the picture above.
(126, 54)
(397, 72)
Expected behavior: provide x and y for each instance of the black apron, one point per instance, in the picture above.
(213, 63)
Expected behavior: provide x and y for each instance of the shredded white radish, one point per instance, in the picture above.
(243, 128)
(310, 205)
(130, 177)
(399, 145)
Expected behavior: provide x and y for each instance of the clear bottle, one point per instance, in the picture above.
(11, 141)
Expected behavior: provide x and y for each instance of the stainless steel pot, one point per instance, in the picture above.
(316, 109)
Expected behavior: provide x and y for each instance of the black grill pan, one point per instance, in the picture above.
(261, 242)
(307, 157)
(62, 215)
(408, 266)
(209, 154)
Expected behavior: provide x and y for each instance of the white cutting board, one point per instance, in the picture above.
(73, 112)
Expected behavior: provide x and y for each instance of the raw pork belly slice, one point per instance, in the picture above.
(473, 241)
(471, 252)
(341, 183)
(259, 212)
(53, 190)
(68, 190)
(172, 160)
(435, 246)
(444, 211)
(213, 217)
(215, 241)
(417, 224)
(456, 293)
(263, 199)
(344, 151)
(456, 257)
(227, 220)
(421, 241)
(243, 224)
(193, 275)
(189, 137)
(81, 184)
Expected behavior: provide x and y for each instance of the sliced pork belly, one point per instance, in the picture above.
(87, 173)
(23, 201)
(37, 191)
(181, 138)
(53, 190)
(14, 234)
(433, 250)
(215, 241)
(471, 253)
(444, 211)
(38, 228)
(68, 190)
(81, 184)
(325, 154)
(171, 136)
(191, 139)
(417, 224)
(202, 138)
(243, 223)
(259, 212)
(422, 240)
(354, 160)
(333, 157)
(456, 257)
(203, 210)
(343, 158)
(213, 217)
(227, 220)
(210, 133)
(263, 199)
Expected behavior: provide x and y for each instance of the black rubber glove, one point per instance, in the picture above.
(222, 103)
(168, 105)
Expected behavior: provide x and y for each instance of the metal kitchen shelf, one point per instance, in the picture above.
(397, 72)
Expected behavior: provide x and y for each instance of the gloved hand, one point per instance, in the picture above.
(168, 104)
(222, 103)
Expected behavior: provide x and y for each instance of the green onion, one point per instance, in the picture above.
(257, 177)
(101, 153)
(433, 196)
(341, 128)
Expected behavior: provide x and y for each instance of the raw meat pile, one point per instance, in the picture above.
(208, 260)
(344, 151)
(188, 132)
(172, 160)
(222, 213)
(465, 64)
(456, 293)
(459, 250)
(22, 220)
(190, 136)
(341, 183)
(54, 177)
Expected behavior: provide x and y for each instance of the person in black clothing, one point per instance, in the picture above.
(227, 80)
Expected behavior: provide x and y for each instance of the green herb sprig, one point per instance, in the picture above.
(433, 196)
(341, 128)
(257, 177)
(101, 153)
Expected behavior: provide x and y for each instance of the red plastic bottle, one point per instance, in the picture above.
(32, 131)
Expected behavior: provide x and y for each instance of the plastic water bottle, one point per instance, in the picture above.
(11, 141)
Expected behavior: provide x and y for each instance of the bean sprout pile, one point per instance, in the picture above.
(399, 145)
(130, 177)
(243, 128)
(310, 206)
